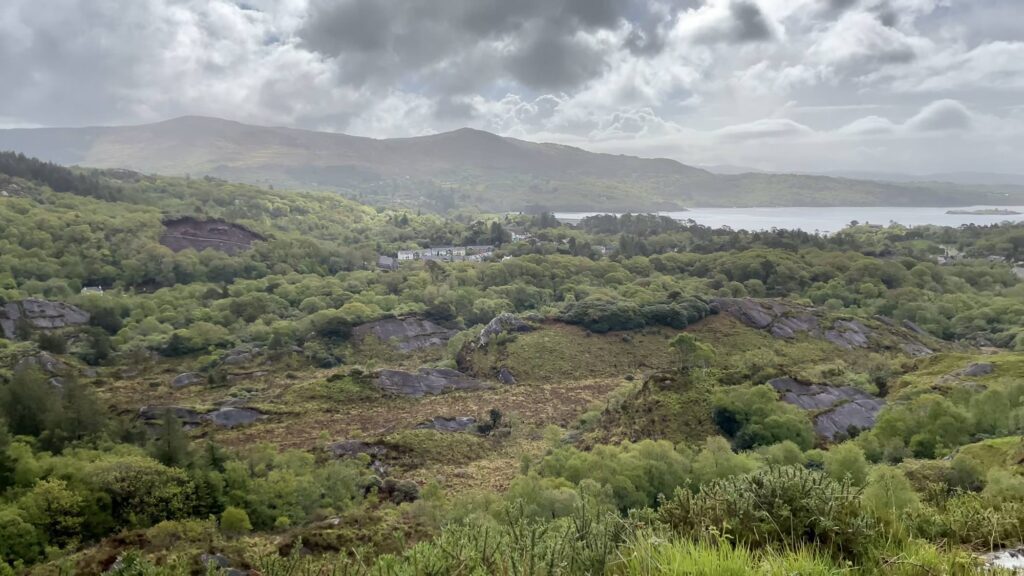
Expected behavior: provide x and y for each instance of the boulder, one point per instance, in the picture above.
(217, 560)
(232, 417)
(505, 376)
(977, 369)
(405, 334)
(837, 410)
(505, 323)
(186, 379)
(427, 381)
(353, 448)
(153, 414)
(43, 361)
(443, 424)
(40, 314)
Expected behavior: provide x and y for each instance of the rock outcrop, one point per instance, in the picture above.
(405, 334)
(505, 323)
(40, 314)
(225, 417)
(787, 320)
(837, 411)
(184, 233)
(443, 424)
(187, 379)
(428, 381)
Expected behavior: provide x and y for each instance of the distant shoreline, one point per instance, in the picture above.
(985, 212)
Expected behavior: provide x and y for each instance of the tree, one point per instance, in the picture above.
(171, 447)
(847, 461)
(692, 353)
(234, 521)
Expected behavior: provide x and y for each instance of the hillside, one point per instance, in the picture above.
(464, 168)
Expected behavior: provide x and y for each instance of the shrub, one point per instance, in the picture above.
(787, 506)
(753, 416)
(234, 521)
(847, 461)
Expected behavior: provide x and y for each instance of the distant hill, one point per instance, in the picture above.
(464, 168)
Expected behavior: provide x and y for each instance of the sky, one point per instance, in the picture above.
(911, 86)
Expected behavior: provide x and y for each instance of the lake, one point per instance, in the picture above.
(825, 220)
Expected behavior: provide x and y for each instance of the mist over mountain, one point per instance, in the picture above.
(464, 168)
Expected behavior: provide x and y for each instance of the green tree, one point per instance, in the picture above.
(692, 353)
(847, 461)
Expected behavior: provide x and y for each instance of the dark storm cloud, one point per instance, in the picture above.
(751, 24)
(536, 43)
(744, 23)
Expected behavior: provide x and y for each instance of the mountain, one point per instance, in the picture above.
(461, 169)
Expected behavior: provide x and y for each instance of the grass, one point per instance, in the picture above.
(999, 452)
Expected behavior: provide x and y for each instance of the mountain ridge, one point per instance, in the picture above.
(463, 168)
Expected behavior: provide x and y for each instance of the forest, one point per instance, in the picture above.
(624, 391)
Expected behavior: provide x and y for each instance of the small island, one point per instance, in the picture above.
(985, 212)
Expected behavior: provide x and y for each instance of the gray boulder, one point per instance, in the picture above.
(427, 381)
(837, 410)
(405, 334)
(443, 424)
(978, 369)
(229, 417)
(353, 448)
(505, 376)
(40, 314)
(186, 379)
(153, 414)
(43, 361)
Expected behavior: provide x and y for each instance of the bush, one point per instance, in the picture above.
(786, 506)
(847, 461)
(234, 521)
(753, 416)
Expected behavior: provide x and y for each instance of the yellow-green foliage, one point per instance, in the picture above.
(559, 352)
(414, 448)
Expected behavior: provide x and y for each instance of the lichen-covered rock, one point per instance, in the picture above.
(444, 424)
(838, 411)
(505, 323)
(427, 381)
(405, 334)
(40, 314)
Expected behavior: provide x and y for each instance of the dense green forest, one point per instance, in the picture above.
(640, 433)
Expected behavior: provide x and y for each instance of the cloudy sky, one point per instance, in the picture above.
(810, 85)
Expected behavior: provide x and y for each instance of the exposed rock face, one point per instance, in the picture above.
(406, 334)
(505, 323)
(443, 424)
(40, 314)
(848, 334)
(838, 411)
(186, 379)
(426, 381)
(786, 320)
(185, 233)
